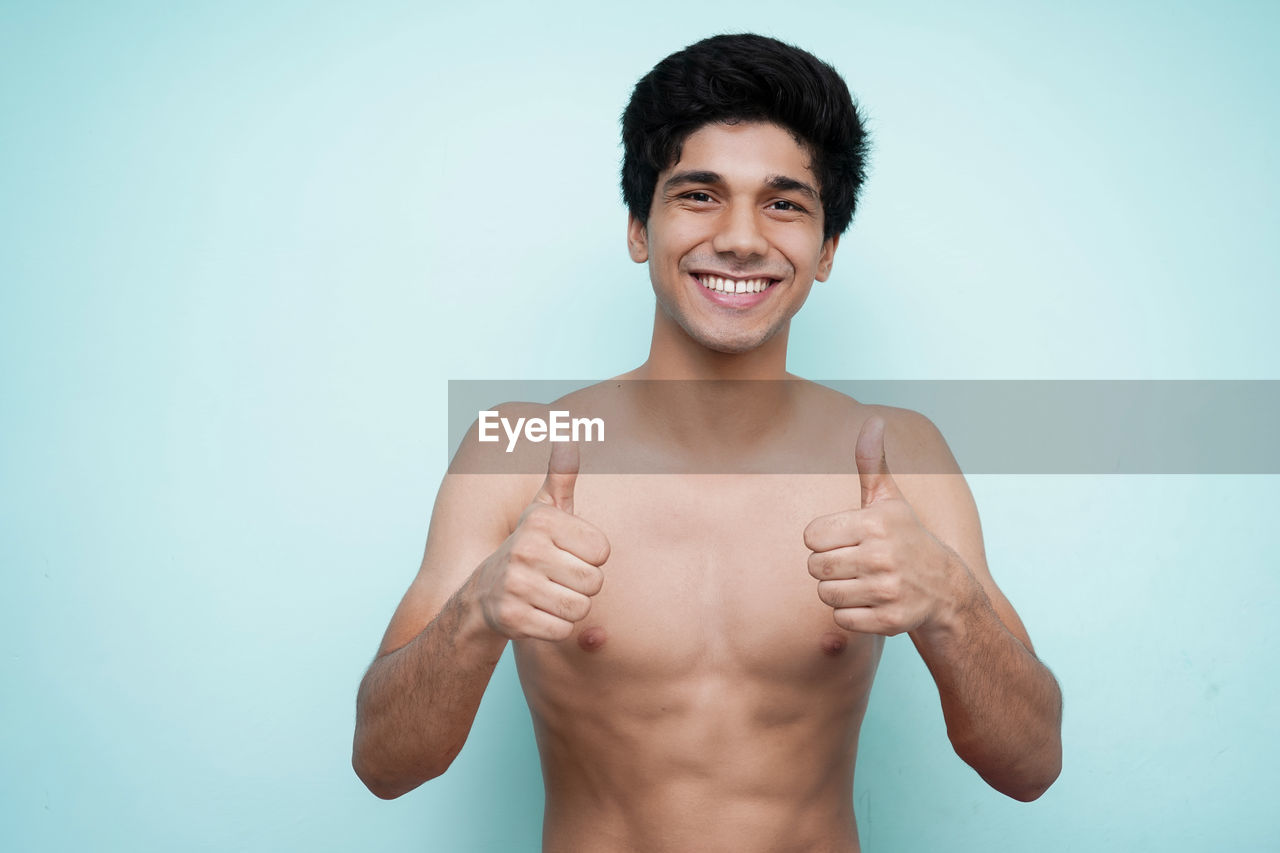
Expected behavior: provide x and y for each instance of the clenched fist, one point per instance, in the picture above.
(539, 583)
(880, 569)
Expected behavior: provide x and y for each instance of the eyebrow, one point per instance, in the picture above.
(679, 179)
(784, 184)
(781, 183)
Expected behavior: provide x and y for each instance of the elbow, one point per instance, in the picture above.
(378, 783)
(381, 787)
(1041, 773)
(1026, 780)
(389, 783)
(1024, 785)
(389, 786)
(1032, 788)
(1031, 783)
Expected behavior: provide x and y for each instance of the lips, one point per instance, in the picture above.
(727, 284)
(735, 293)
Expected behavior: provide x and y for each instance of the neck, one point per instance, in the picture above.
(675, 355)
(704, 397)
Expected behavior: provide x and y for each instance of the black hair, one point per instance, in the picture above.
(746, 77)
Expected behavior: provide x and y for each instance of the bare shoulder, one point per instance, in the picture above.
(515, 438)
(913, 443)
(488, 475)
(919, 459)
(477, 506)
(931, 481)
(499, 465)
(923, 467)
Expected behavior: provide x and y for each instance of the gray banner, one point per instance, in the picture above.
(992, 427)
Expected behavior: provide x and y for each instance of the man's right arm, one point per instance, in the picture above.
(477, 588)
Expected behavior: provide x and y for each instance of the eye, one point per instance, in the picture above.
(786, 206)
(697, 195)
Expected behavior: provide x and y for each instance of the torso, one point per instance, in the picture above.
(708, 701)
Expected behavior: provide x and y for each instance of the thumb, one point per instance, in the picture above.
(873, 468)
(562, 473)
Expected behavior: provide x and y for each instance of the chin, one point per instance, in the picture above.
(731, 347)
(731, 344)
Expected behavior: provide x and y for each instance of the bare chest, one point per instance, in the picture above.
(708, 576)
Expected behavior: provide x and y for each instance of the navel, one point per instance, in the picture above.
(592, 639)
(833, 644)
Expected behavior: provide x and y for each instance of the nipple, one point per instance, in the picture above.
(833, 643)
(591, 639)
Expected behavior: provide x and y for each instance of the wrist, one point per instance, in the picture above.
(963, 598)
(472, 627)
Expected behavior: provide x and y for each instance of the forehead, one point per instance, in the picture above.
(749, 150)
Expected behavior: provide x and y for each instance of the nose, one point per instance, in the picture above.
(739, 233)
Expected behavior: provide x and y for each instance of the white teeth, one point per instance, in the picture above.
(729, 285)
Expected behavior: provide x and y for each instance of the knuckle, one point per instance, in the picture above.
(522, 550)
(507, 613)
(592, 581)
(557, 630)
(878, 557)
(819, 566)
(892, 621)
(831, 593)
(516, 585)
(822, 531)
(890, 589)
(567, 607)
(844, 618)
(841, 565)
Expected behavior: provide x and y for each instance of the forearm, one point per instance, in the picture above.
(416, 704)
(1002, 706)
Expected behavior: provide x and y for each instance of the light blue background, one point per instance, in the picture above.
(243, 246)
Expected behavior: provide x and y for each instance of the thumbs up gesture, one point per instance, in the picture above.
(878, 567)
(540, 582)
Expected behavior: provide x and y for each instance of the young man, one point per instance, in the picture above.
(697, 647)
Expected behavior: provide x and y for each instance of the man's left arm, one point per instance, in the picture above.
(911, 560)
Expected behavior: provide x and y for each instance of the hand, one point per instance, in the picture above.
(878, 567)
(540, 582)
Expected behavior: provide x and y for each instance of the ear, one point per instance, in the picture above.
(827, 257)
(637, 239)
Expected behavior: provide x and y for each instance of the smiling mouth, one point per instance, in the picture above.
(720, 284)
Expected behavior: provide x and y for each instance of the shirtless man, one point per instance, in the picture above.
(697, 647)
